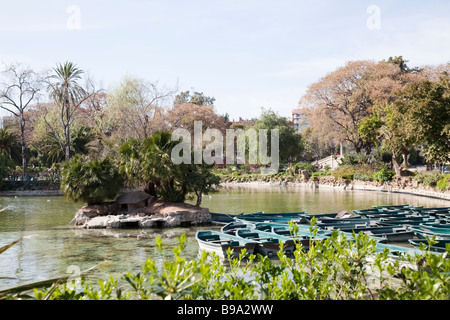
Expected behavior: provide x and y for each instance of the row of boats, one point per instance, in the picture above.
(391, 226)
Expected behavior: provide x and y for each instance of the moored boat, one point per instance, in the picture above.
(396, 250)
(268, 243)
(423, 231)
(285, 220)
(222, 218)
(439, 246)
(232, 227)
(219, 243)
(277, 215)
(391, 234)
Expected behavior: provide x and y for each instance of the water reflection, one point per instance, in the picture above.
(50, 246)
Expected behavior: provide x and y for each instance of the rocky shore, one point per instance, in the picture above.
(155, 214)
(399, 184)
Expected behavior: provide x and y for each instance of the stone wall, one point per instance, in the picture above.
(400, 184)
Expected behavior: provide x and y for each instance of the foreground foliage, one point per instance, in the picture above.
(335, 268)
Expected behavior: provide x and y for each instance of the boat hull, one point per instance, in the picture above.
(219, 244)
(268, 243)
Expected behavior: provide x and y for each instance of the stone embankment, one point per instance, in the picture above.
(155, 214)
(399, 184)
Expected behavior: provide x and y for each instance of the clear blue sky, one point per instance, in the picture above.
(247, 54)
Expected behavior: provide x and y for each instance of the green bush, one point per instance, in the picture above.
(383, 175)
(93, 181)
(6, 164)
(428, 179)
(294, 168)
(354, 159)
(444, 182)
(321, 174)
(344, 172)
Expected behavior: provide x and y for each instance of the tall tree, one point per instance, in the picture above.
(398, 133)
(337, 103)
(69, 95)
(19, 89)
(183, 115)
(140, 106)
(420, 117)
(428, 104)
(291, 145)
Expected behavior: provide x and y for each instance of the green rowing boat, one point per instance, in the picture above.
(268, 243)
(219, 243)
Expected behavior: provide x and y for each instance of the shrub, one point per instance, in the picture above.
(321, 174)
(354, 158)
(91, 181)
(362, 176)
(383, 175)
(428, 179)
(444, 182)
(5, 167)
(294, 168)
(364, 172)
(344, 172)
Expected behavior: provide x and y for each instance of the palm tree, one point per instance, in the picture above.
(159, 169)
(68, 94)
(149, 161)
(92, 181)
(10, 145)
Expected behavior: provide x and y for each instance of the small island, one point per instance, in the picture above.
(159, 188)
(138, 209)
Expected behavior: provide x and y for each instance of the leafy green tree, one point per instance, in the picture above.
(291, 142)
(91, 181)
(200, 180)
(369, 128)
(428, 104)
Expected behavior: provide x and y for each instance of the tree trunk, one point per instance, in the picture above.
(405, 158)
(199, 199)
(23, 143)
(67, 144)
(151, 189)
(66, 125)
(396, 163)
(24, 158)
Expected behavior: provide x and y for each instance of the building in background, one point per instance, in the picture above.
(299, 119)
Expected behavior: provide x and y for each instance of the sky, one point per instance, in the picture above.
(247, 54)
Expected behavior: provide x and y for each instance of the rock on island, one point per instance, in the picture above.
(139, 210)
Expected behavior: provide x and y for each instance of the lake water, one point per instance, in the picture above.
(50, 247)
